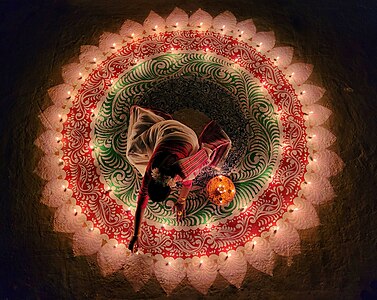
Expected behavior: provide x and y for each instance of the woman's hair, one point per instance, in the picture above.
(164, 161)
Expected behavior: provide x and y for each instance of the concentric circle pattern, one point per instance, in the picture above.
(257, 130)
(225, 70)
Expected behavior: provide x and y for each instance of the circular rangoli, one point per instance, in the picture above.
(227, 71)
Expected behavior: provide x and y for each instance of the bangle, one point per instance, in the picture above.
(181, 200)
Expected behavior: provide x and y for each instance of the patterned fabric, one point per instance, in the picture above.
(191, 166)
(214, 138)
(148, 130)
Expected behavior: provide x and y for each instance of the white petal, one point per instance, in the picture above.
(55, 193)
(169, 273)
(154, 23)
(245, 29)
(74, 73)
(317, 114)
(138, 270)
(112, 256)
(67, 219)
(177, 16)
(224, 22)
(298, 73)
(49, 167)
(302, 215)
(49, 141)
(200, 20)
(309, 94)
(233, 267)
(326, 163)
(131, 29)
(109, 41)
(285, 240)
(90, 55)
(260, 255)
(281, 56)
(53, 117)
(264, 41)
(317, 189)
(201, 273)
(59, 94)
(323, 138)
(86, 241)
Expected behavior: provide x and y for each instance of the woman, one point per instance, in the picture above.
(165, 151)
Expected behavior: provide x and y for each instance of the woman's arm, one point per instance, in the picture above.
(141, 205)
(138, 218)
(180, 205)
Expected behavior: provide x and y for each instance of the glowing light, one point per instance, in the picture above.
(114, 45)
(201, 24)
(94, 59)
(132, 35)
(176, 24)
(242, 32)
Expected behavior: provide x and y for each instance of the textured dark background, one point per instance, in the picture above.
(339, 258)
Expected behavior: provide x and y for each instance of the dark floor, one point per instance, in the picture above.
(339, 258)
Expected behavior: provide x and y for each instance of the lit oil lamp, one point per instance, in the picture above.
(220, 190)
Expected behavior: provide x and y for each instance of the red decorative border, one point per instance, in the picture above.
(114, 220)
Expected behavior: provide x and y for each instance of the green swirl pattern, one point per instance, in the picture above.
(251, 173)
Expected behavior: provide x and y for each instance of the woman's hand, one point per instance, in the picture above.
(133, 245)
(180, 209)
